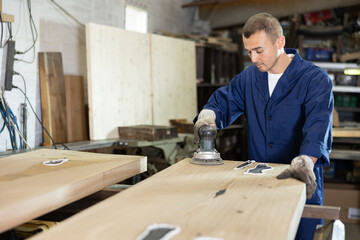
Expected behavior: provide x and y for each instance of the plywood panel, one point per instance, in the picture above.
(136, 78)
(118, 79)
(173, 64)
(184, 195)
(53, 103)
(75, 109)
(30, 189)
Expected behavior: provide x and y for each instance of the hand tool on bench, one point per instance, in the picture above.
(207, 154)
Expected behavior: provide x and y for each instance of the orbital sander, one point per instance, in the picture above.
(207, 154)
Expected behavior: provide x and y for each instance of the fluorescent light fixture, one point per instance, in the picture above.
(352, 71)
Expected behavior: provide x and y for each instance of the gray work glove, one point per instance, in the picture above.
(206, 117)
(302, 168)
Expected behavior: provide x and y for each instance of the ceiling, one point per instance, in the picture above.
(225, 13)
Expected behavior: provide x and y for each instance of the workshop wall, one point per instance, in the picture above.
(57, 32)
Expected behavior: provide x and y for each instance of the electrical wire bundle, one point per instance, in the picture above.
(34, 35)
(10, 120)
(10, 123)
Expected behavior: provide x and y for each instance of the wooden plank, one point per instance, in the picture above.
(147, 132)
(119, 86)
(31, 189)
(173, 67)
(321, 212)
(349, 56)
(75, 109)
(252, 206)
(6, 17)
(346, 132)
(53, 102)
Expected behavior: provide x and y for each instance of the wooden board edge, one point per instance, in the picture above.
(297, 215)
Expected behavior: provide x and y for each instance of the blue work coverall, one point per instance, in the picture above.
(295, 120)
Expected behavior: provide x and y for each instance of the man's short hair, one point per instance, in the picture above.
(263, 22)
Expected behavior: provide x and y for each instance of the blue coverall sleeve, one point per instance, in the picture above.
(228, 102)
(317, 129)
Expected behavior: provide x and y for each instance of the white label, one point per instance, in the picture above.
(354, 213)
(55, 162)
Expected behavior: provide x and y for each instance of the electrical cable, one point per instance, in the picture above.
(23, 106)
(42, 125)
(22, 77)
(5, 116)
(67, 13)
(2, 30)
(3, 127)
(34, 35)
(13, 122)
(8, 116)
(9, 25)
(18, 131)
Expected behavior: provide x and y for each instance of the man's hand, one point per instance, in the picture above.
(302, 168)
(206, 117)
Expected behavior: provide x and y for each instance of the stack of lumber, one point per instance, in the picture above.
(62, 101)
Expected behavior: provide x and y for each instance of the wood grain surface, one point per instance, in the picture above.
(75, 109)
(173, 70)
(30, 189)
(118, 79)
(184, 195)
(52, 91)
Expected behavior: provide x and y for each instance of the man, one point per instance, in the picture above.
(288, 104)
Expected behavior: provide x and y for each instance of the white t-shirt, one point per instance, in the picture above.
(274, 78)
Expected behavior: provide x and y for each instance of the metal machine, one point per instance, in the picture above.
(207, 154)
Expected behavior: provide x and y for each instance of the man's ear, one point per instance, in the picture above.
(280, 42)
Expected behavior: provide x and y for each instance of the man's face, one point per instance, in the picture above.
(262, 51)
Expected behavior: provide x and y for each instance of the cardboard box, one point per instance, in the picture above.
(347, 199)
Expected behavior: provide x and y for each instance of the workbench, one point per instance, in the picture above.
(29, 188)
(167, 145)
(202, 201)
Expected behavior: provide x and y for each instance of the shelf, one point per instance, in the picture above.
(346, 89)
(345, 154)
(336, 66)
(347, 109)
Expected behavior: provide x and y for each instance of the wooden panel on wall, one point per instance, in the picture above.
(75, 108)
(118, 79)
(53, 103)
(136, 78)
(173, 67)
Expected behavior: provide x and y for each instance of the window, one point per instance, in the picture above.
(136, 19)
